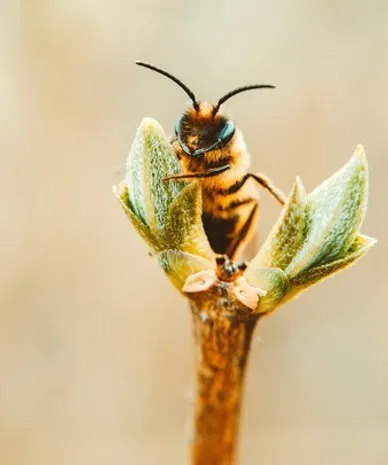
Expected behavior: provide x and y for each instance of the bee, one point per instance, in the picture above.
(211, 148)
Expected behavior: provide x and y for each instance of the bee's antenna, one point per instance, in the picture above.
(173, 78)
(237, 91)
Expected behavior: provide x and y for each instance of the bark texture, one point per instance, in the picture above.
(223, 329)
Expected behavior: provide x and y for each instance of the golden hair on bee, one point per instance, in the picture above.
(211, 148)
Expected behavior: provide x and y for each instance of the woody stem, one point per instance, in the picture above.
(223, 334)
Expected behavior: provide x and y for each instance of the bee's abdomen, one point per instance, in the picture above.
(225, 200)
(220, 231)
(230, 213)
(227, 232)
(231, 205)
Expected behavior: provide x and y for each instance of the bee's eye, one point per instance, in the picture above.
(178, 126)
(227, 132)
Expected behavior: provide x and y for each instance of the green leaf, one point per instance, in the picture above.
(167, 214)
(334, 213)
(358, 249)
(180, 265)
(152, 239)
(184, 229)
(150, 160)
(287, 235)
(272, 280)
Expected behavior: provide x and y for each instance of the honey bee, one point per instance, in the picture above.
(211, 148)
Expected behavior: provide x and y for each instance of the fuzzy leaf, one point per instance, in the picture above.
(184, 229)
(152, 239)
(273, 281)
(167, 214)
(150, 160)
(180, 265)
(358, 249)
(286, 236)
(334, 213)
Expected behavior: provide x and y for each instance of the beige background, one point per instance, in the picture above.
(95, 345)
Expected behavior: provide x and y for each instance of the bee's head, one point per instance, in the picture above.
(202, 128)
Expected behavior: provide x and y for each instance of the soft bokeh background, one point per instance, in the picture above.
(95, 345)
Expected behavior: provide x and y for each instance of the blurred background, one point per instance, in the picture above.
(95, 344)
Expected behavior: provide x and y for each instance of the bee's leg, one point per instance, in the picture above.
(223, 259)
(266, 183)
(260, 179)
(227, 270)
(243, 232)
(200, 174)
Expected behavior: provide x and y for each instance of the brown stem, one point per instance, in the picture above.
(223, 330)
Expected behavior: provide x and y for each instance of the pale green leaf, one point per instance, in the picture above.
(180, 265)
(273, 281)
(152, 239)
(150, 160)
(184, 229)
(287, 234)
(334, 213)
(358, 249)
